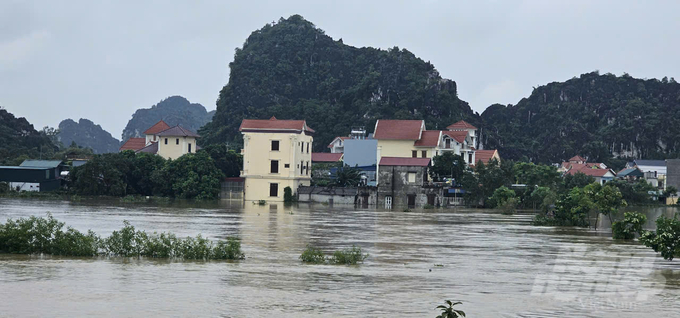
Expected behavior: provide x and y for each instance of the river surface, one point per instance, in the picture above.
(497, 265)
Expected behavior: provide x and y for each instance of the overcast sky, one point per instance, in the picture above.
(102, 60)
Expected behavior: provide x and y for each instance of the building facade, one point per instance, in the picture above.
(404, 182)
(165, 141)
(276, 154)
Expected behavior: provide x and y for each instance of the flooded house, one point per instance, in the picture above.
(165, 141)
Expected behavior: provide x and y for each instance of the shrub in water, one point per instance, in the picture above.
(666, 238)
(312, 255)
(632, 223)
(350, 256)
(45, 235)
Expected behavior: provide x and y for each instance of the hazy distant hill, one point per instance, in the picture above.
(19, 138)
(293, 70)
(173, 110)
(88, 135)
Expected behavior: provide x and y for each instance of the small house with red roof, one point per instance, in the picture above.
(276, 154)
(165, 141)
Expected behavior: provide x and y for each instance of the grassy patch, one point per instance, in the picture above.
(349, 256)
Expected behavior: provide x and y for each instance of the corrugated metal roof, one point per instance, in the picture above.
(661, 163)
(41, 163)
(24, 168)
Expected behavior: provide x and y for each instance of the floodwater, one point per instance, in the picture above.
(497, 265)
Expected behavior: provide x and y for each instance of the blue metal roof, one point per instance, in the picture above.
(23, 168)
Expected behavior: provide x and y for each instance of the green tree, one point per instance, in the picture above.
(228, 161)
(577, 180)
(666, 238)
(447, 164)
(608, 200)
(543, 197)
(670, 191)
(347, 177)
(449, 312)
(501, 196)
(536, 175)
(632, 223)
(191, 176)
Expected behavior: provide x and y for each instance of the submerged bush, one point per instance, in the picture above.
(45, 236)
(632, 223)
(350, 256)
(312, 255)
(666, 238)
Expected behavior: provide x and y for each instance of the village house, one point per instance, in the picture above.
(276, 154)
(630, 174)
(165, 141)
(654, 171)
(403, 182)
(578, 162)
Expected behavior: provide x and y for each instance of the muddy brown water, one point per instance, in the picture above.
(497, 265)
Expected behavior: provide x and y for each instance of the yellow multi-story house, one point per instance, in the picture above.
(276, 154)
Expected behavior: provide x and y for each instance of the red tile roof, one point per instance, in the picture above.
(397, 161)
(398, 129)
(428, 138)
(577, 158)
(158, 127)
(484, 155)
(461, 125)
(178, 131)
(274, 124)
(458, 136)
(336, 138)
(589, 172)
(326, 157)
(133, 144)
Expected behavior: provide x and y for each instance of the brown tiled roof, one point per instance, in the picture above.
(158, 127)
(133, 144)
(326, 157)
(461, 125)
(428, 138)
(398, 129)
(336, 138)
(458, 136)
(484, 155)
(398, 161)
(577, 158)
(274, 124)
(151, 148)
(177, 131)
(588, 171)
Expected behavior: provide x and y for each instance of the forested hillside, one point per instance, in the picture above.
(19, 139)
(594, 115)
(88, 135)
(173, 110)
(293, 70)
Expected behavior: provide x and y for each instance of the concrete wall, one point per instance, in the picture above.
(295, 150)
(360, 152)
(673, 177)
(173, 150)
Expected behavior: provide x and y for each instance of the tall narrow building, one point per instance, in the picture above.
(276, 154)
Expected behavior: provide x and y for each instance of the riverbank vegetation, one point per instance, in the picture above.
(191, 176)
(666, 239)
(349, 256)
(46, 235)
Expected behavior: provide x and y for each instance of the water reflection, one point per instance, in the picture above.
(498, 265)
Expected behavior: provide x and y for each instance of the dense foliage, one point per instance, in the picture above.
(229, 161)
(86, 134)
(666, 238)
(447, 165)
(46, 236)
(174, 110)
(449, 312)
(574, 208)
(18, 138)
(594, 115)
(348, 256)
(126, 173)
(293, 70)
(631, 224)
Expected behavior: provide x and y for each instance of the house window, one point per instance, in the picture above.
(302, 147)
(470, 158)
(166, 141)
(177, 141)
(414, 153)
(307, 168)
(274, 166)
(423, 153)
(302, 167)
(273, 189)
(189, 147)
(275, 145)
(307, 147)
(286, 165)
(448, 143)
(411, 177)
